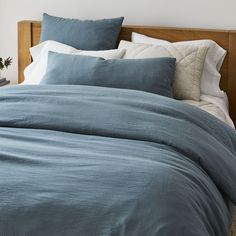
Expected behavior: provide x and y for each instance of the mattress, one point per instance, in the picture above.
(233, 227)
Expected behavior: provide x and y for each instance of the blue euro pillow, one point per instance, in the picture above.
(82, 34)
(154, 75)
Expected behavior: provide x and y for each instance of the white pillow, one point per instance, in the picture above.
(140, 38)
(189, 64)
(210, 80)
(37, 69)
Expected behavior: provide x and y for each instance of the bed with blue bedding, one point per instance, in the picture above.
(94, 161)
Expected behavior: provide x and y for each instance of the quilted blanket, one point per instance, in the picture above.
(77, 160)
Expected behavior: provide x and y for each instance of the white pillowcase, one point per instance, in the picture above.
(37, 69)
(210, 80)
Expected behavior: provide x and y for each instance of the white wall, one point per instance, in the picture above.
(182, 13)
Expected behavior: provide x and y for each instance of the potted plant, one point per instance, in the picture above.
(5, 63)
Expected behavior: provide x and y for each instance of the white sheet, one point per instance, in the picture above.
(216, 106)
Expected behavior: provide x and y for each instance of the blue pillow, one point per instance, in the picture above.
(155, 75)
(84, 35)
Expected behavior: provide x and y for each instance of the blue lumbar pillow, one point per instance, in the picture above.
(155, 75)
(82, 34)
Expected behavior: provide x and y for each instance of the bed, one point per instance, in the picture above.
(126, 161)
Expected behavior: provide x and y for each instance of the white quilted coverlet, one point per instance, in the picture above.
(189, 64)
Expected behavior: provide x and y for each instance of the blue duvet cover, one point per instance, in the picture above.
(93, 161)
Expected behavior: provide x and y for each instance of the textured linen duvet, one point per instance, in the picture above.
(93, 161)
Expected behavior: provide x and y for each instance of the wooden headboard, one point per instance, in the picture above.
(29, 34)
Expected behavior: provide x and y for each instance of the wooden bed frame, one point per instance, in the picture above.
(29, 35)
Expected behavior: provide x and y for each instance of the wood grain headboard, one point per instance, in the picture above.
(29, 34)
